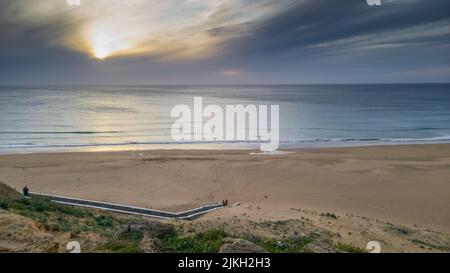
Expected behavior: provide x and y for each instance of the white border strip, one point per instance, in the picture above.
(199, 213)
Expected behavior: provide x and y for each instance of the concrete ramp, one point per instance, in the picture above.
(189, 214)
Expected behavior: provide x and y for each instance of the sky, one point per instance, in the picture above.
(153, 42)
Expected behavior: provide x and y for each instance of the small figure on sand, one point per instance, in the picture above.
(25, 191)
(224, 203)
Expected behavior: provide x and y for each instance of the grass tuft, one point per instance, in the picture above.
(291, 245)
(203, 242)
(349, 248)
(59, 217)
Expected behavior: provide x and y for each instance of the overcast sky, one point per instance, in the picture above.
(224, 41)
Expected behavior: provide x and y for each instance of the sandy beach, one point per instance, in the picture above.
(406, 185)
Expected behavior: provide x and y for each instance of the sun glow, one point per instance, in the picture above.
(107, 39)
(158, 31)
(101, 53)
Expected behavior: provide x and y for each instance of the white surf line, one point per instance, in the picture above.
(151, 211)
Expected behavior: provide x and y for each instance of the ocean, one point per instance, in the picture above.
(92, 118)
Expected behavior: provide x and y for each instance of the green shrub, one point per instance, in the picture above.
(104, 221)
(204, 242)
(125, 243)
(41, 205)
(66, 217)
(349, 248)
(69, 210)
(120, 246)
(4, 205)
(133, 235)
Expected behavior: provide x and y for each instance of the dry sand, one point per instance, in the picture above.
(406, 185)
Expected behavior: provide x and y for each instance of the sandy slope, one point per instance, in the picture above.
(406, 185)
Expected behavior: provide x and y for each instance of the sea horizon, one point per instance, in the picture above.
(212, 85)
(129, 117)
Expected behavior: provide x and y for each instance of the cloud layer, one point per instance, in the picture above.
(279, 41)
(104, 28)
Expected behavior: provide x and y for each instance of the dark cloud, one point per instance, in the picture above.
(24, 35)
(316, 22)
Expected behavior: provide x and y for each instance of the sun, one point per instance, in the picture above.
(101, 53)
(103, 41)
(101, 46)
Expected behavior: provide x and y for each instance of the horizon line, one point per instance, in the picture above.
(217, 84)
